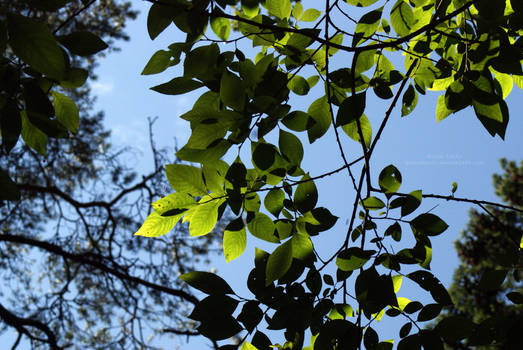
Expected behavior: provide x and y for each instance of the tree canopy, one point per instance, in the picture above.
(71, 275)
(489, 237)
(247, 146)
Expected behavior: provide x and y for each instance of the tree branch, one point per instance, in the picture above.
(86, 260)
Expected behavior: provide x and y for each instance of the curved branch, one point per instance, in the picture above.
(86, 260)
(20, 323)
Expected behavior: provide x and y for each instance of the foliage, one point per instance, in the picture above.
(471, 50)
(71, 275)
(488, 238)
(48, 52)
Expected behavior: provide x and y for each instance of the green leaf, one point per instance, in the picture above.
(319, 110)
(428, 224)
(159, 62)
(232, 92)
(429, 312)
(279, 262)
(364, 62)
(306, 195)
(169, 204)
(248, 346)
(207, 282)
(185, 179)
(310, 15)
(250, 316)
(263, 155)
(402, 18)
(66, 111)
(74, 77)
(394, 231)
(396, 282)
(82, 43)
(409, 101)
(290, 147)
(34, 44)
(492, 279)
(177, 86)
(372, 203)
(351, 130)
(156, 225)
(274, 201)
(33, 137)
(279, 8)
(8, 189)
(262, 227)
(361, 3)
(159, 18)
(297, 10)
(390, 179)
(351, 109)
(10, 125)
(298, 121)
(221, 27)
(203, 216)
(353, 258)
(298, 85)
(367, 26)
(234, 239)
(220, 328)
(442, 111)
(250, 8)
(214, 307)
(205, 134)
(302, 248)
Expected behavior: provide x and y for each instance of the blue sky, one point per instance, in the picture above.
(430, 155)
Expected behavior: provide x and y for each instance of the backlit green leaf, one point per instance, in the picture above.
(232, 92)
(351, 109)
(156, 225)
(361, 3)
(186, 179)
(204, 216)
(279, 8)
(367, 26)
(402, 18)
(279, 262)
(66, 111)
(221, 27)
(320, 112)
(158, 63)
(262, 227)
(390, 179)
(274, 201)
(310, 15)
(234, 240)
(33, 137)
(351, 130)
(429, 224)
(373, 203)
(306, 195)
(290, 147)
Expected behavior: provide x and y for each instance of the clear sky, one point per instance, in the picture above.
(430, 155)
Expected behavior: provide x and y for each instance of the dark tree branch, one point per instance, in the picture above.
(88, 260)
(20, 324)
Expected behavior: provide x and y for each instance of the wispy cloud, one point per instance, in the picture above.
(102, 88)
